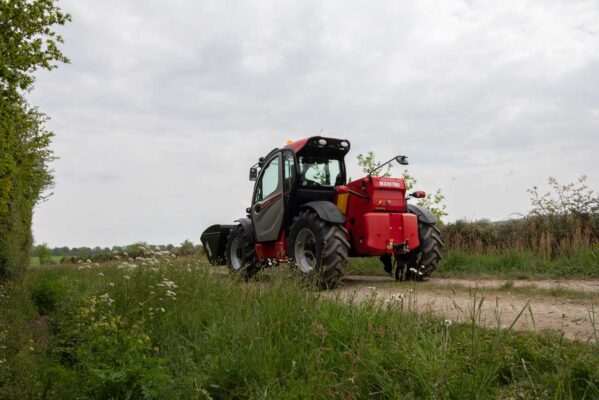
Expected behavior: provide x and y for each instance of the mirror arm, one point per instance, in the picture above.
(385, 163)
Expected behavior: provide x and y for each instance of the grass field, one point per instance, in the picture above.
(164, 328)
(35, 261)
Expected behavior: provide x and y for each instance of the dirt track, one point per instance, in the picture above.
(572, 312)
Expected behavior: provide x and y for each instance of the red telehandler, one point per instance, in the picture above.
(303, 210)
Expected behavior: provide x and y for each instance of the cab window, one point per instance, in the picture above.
(320, 172)
(269, 180)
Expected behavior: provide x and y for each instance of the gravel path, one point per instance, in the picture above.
(454, 300)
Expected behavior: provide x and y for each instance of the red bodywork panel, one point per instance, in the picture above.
(377, 218)
(276, 250)
(298, 144)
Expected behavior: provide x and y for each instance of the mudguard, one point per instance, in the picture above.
(423, 214)
(248, 227)
(326, 211)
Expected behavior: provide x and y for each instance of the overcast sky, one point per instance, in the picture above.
(166, 104)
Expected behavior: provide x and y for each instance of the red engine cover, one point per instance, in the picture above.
(377, 217)
(375, 233)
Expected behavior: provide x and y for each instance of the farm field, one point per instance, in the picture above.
(165, 327)
(35, 261)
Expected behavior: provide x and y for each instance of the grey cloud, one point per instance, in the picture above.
(178, 99)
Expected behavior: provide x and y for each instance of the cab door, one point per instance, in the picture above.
(268, 204)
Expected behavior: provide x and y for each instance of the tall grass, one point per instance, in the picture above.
(173, 329)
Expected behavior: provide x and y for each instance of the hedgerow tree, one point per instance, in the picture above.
(27, 43)
(433, 202)
(575, 198)
(43, 253)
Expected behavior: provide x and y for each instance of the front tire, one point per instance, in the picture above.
(320, 249)
(241, 253)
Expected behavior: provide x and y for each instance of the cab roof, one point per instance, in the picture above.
(320, 145)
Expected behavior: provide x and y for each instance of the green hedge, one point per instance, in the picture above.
(27, 43)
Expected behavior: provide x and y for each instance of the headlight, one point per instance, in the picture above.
(344, 144)
(322, 142)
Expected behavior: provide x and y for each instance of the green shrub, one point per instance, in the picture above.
(47, 291)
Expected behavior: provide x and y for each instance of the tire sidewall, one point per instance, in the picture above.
(310, 223)
(238, 233)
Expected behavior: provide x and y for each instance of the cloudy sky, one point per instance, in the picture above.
(166, 104)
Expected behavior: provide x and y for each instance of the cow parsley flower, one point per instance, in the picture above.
(106, 298)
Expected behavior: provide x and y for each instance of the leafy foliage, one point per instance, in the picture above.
(27, 43)
(573, 198)
(368, 163)
(44, 253)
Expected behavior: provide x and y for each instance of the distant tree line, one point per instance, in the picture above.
(27, 44)
(102, 254)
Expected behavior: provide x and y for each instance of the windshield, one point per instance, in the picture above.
(320, 171)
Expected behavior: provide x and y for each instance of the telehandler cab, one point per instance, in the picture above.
(303, 210)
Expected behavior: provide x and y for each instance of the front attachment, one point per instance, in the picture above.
(214, 240)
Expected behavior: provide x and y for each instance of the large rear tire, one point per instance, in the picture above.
(241, 253)
(319, 249)
(424, 261)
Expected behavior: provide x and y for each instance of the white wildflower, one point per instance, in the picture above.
(106, 299)
(171, 294)
(448, 322)
(127, 266)
(100, 274)
(110, 284)
(162, 309)
(127, 277)
(168, 284)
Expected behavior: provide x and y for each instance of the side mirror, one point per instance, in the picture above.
(253, 174)
(403, 160)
